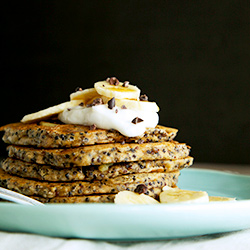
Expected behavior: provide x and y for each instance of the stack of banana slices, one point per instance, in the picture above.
(79, 151)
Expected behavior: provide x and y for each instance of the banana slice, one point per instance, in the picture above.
(133, 104)
(119, 92)
(219, 198)
(176, 195)
(166, 188)
(48, 124)
(137, 105)
(45, 113)
(86, 95)
(128, 197)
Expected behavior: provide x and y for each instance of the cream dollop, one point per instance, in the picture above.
(116, 118)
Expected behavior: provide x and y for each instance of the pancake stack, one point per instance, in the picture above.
(65, 163)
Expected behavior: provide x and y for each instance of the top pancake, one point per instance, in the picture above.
(54, 135)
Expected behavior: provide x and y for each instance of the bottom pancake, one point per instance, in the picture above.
(102, 198)
(98, 198)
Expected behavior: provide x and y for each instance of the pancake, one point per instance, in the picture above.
(102, 198)
(100, 154)
(90, 173)
(50, 190)
(53, 135)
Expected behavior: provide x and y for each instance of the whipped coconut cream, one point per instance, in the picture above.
(116, 118)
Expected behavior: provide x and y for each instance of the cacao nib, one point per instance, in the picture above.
(143, 98)
(111, 103)
(136, 120)
(125, 84)
(141, 189)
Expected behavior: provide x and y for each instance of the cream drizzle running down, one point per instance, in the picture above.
(116, 118)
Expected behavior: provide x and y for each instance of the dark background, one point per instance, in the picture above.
(192, 57)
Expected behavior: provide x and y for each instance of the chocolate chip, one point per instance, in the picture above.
(125, 84)
(78, 89)
(111, 103)
(123, 107)
(97, 101)
(136, 120)
(92, 127)
(141, 189)
(116, 111)
(143, 98)
(112, 81)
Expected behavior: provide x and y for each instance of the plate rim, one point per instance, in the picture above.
(224, 172)
(111, 209)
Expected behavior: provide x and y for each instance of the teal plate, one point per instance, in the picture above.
(141, 222)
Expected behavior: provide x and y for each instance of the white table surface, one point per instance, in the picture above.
(234, 240)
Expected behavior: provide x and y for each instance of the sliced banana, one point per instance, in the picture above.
(128, 197)
(219, 198)
(166, 188)
(119, 92)
(134, 104)
(86, 95)
(176, 195)
(45, 113)
(48, 124)
(138, 105)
